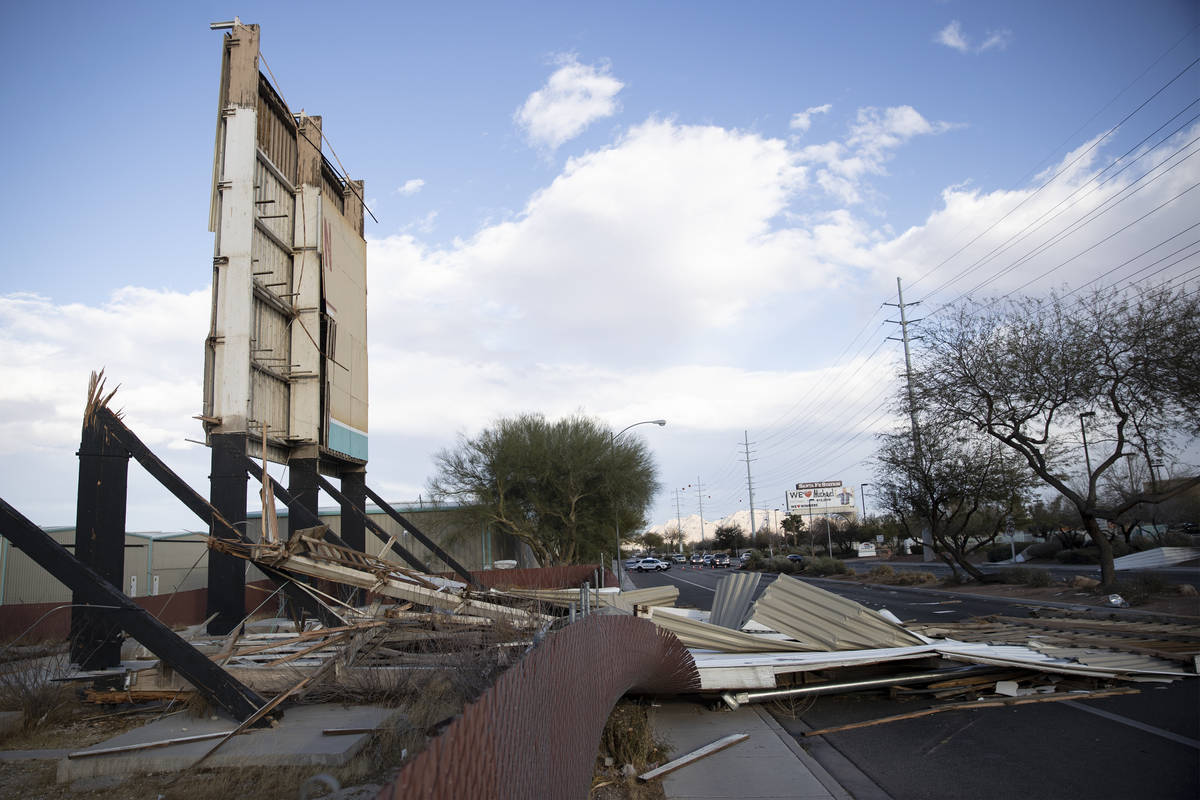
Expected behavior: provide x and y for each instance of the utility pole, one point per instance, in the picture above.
(700, 500)
(904, 322)
(678, 516)
(750, 488)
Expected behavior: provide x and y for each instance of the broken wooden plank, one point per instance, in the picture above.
(338, 639)
(694, 756)
(130, 748)
(971, 706)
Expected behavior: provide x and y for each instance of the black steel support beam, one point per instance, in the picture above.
(373, 526)
(354, 498)
(218, 686)
(309, 519)
(218, 525)
(227, 573)
(304, 490)
(353, 525)
(420, 536)
(99, 542)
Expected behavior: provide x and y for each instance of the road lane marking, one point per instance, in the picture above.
(1133, 723)
(691, 583)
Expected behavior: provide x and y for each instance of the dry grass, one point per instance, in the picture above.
(31, 687)
(628, 739)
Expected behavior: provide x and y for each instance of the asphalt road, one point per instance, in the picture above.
(1144, 746)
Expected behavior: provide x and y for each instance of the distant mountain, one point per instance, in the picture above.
(691, 524)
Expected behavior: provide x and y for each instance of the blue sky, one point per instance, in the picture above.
(632, 210)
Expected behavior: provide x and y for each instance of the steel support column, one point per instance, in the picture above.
(99, 543)
(227, 574)
(354, 528)
(304, 489)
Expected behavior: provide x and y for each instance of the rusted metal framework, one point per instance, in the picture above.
(536, 732)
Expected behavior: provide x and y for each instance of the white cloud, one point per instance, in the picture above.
(952, 36)
(150, 342)
(802, 120)
(996, 40)
(575, 96)
(873, 137)
(411, 186)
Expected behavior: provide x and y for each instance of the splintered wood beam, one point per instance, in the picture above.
(694, 756)
(307, 519)
(390, 587)
(420, 536)
(214, 683)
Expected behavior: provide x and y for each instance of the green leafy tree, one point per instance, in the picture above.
(653, 541)
(558, 486)
(728, 537)
(1038, 375)
(792, 526)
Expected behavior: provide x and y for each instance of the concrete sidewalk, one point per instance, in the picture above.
(297, 741)
(770, 764)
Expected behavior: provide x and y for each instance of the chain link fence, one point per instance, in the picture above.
(536, 732)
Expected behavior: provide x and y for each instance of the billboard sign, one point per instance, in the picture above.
(821, 497)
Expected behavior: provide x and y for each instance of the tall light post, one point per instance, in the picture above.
(862, 493)
(1086, 457)
(612, 445)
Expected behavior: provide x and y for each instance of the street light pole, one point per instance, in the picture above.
(612, 445)
(862, 493)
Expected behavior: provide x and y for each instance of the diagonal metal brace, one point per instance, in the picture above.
(420, 536)
(221, 688)
(385, 537)
(203, 509)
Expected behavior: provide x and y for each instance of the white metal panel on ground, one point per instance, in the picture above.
(1158, 557)
(1027, 657)
(721, 671)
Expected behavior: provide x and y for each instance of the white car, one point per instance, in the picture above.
(652, 565)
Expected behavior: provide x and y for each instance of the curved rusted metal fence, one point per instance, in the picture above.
(536, 732)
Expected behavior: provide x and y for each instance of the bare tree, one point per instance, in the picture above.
(1072, 386)
(962, 488)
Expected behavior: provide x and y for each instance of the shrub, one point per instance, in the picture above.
(628, 737)
(1027, 576)
(824, 565)
(785, 566)
(756, 562)
(999, 552)
(1079, 555)
(913, 578)
(33, 688)
(882, 573)
(1047, 549)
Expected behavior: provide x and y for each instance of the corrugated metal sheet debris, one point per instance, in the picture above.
(705, 636)
(824, 620)
(731, 603)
